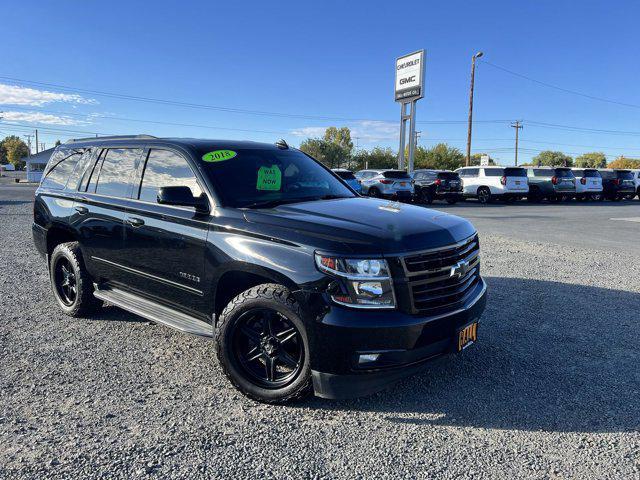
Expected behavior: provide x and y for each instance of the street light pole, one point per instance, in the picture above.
(473, 74)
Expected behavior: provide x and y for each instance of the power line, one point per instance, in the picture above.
(561, 89)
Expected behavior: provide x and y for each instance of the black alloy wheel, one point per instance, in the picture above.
(268, 348)
(484, 195)
(65, 281)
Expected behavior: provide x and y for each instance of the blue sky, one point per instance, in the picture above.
(307, 65)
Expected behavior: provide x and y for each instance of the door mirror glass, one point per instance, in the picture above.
(182, 196)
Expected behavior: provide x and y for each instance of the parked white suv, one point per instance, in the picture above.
(636, 179)
(490, 183)
(588, 183)
(393, 184)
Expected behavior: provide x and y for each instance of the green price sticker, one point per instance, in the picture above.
(269, 178)
(219, 155)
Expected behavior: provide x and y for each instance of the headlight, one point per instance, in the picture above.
(367, 282)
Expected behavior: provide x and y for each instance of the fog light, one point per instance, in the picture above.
(368, 358)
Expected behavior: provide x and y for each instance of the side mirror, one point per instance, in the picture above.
(181, 196)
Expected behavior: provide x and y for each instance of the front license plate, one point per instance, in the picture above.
(467, 336)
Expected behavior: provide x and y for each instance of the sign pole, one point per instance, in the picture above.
(403, 135)
(412, 135)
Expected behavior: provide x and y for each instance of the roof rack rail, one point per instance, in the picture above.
(111, 137)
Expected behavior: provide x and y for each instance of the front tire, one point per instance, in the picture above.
(70, 281)
(262, 345)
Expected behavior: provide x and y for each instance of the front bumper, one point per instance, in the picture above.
(405, 343)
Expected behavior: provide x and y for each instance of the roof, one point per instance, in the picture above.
(197, 143)
(41, 157)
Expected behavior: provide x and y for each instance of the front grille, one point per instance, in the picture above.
(433, 289)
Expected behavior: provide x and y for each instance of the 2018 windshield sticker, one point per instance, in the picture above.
(269, 178)
(219, 155)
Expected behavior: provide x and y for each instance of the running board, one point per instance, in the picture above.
(155, 312)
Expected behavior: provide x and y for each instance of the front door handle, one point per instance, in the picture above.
(135, 221)
(81, 210)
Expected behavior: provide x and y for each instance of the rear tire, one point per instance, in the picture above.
(484, 195)
(426, 197)
(262, 345)
(452, 201)
(374, 192)
(71, 283)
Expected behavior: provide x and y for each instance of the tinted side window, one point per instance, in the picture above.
(166, 169)
(472, 172)
(63, 163)
(543, 172)
(493, 172)
(117, 170)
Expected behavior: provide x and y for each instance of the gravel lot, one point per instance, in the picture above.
(550, 391)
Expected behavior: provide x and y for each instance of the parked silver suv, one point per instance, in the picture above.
(395, 184)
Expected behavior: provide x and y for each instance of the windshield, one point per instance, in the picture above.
(345, 175)
(448, 175)
(255, 178)
(564, 173)
(395, 174)
(515, 172)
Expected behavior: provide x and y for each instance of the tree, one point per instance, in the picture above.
(14, 150)
(440, 156)
(549, 158)
(339, 136)
(330, 154)
(375, 158)
(58, 142)
(624, 162)
(591, 160)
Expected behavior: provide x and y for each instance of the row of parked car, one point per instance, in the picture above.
(490, 183)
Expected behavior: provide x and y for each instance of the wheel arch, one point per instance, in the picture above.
(238, 277)
(57, 234)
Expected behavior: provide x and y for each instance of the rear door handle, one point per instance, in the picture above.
(81, 210)
(135, 221)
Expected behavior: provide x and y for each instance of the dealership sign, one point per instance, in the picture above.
(409, 77)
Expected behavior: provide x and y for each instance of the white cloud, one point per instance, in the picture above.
(44, 118)
(367, 131)
(16, 95)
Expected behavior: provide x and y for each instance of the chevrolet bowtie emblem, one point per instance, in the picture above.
(460, 269)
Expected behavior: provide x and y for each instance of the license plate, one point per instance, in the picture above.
(467, 336)
(517, 182)
(402, 184)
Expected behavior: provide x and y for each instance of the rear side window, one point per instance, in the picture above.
(166, 169)
(493, 172)
(607, 174)
(63, 164)
(395, 174)
(564, 173)
(579, 173)
(515, 172)
(117, 170)
(543, 172)
(625, 175)
(472, 172)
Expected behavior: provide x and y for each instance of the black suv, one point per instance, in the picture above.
(304, 285)
(433, 185)
(617, 184)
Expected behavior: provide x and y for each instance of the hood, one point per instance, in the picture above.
(361, 225)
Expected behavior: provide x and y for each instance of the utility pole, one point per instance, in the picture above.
(473, 74)
(517, 125)
(36, 140)
(28, 137)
